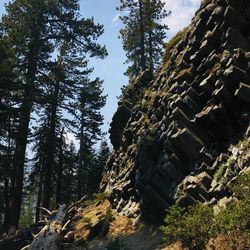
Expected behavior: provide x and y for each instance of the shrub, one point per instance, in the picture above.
(88, 202)
(193, 227)
(174, 224)
(171, 44)
(196, 225)
(109, 214)
(96, 197)
(86, 220)
(200, 225)
(235, 217)
(227, 168)
(220, 172)
(241, 188)
(100, 196)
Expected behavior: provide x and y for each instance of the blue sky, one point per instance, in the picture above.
(111, 69)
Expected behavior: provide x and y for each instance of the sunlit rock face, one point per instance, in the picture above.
(174, 131)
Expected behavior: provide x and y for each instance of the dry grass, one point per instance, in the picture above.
(133, 235)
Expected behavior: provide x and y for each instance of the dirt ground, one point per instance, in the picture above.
(134, 236)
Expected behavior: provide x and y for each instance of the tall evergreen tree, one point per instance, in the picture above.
(102, 157)
(144, 33)
(68, 183)
(89, 119)
(9, 112)
(35, 29)
(64, 168)
(36, 175)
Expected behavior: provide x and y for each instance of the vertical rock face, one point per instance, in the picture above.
(188, 121)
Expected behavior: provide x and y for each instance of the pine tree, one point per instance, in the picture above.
(102, 157)
(89, 119)
(35, 29)
(62, 84)
(36, 176)
(9, 112)
(60, 166)
(68, 186)
(144, 33)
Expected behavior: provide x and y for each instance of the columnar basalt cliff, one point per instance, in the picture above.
(182, 135)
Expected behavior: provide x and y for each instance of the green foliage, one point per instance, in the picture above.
(174, 223)
(235, 218)
(49, 44)
(241, 187)
(143, 35)
(101, 160)
(130, 94)
(86, 220)
(220, 172)
(88, 202)
(96, 197)
(100, 196)
(53, 203)
(135, 90)
(196, 225)
(192, 227)
(109, 214)
(117, 244)
(9, 111)
(227, 168)
(171, 44)
(26, 216)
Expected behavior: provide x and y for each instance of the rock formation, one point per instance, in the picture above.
(182, 135)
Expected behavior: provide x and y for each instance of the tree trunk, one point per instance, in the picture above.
(51, 236)
(39, 194)
(142, 37)
(50, 149)
(81, 158)
(7, 180)
(6, 202)
(19, 158)
(60, 169)
(151, 52)
(22, 134)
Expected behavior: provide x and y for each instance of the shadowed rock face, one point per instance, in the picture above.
(186, 121)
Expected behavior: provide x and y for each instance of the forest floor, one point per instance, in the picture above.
(98, 227)
(121, 231)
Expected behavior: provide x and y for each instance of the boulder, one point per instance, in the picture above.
(118, 124)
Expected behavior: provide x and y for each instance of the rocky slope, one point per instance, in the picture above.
(182, 135)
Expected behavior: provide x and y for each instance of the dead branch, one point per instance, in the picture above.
(26, 247)
(45, 210)
(50, 236)
(77, 203)
(65, 225)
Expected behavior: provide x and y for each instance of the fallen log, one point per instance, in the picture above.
(51, 235)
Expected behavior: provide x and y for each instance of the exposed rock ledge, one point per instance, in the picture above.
(171, 141)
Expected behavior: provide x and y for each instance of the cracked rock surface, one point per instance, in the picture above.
(182, 135)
